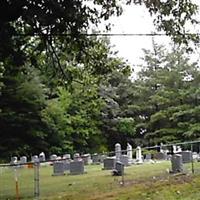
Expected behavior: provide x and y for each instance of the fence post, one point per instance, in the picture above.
(36, 180)
(16, 184)
(192, 159)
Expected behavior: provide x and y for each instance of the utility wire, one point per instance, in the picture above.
(106, 34)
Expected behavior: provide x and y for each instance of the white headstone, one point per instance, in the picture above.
(42, 157)
(130, 154)
(77, 157)
(35, 158)
(118, 151)
(139, 155)
(53, 157)
(13, 160)
(67, 156)
(174, 148)
(86, 159)
(23, 159)
(177, 149)
(161, 147)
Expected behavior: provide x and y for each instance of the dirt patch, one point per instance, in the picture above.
(170, 179)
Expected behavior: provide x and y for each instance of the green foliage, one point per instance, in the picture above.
(22, 98)
(126, 126)
(169, 108)
(62, 94)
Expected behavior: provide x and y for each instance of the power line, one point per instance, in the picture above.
(106, 34)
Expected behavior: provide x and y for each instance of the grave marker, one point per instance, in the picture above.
(139, 155)
(130, 154)
(58, 168)
(35, 158)
(177, 163)
(96, 158)
(124, 160)
(42, 157)
(118, 151)
(76, 167)
(109, 163)
(23, 159)
(86, 159)
(119, 169)
(186, 156)
(53, 157)
(13, 160)
(160, 156)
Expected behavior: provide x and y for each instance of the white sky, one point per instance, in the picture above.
(135, 19)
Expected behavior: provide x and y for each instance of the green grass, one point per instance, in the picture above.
(147, 181)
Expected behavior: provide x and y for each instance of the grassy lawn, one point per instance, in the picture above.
(147, 181)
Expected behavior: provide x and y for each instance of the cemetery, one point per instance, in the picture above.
(99, 100)
(100, 176)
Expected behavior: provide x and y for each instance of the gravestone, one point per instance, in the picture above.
(177, 163)
(160, 156)
(76, 167)
(161, 147)
(66, 165)
(179, 149)
(67, 156)
(35, 158)
(129, 154)
(124, 160)
(13, 160)
(86, 159)
(77, 157)
(42, 157)
(119, 169)
(109, 163)
(23, 159)
(176, 149)
(139, 155)
(58, 168)
(148, 157)
(53, 157)
(66, 161)
(118, 151)
(59, 157)
(96, 158)
(195, 156)
(186, 156)
(102, 157)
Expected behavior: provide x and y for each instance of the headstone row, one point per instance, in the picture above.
(74, 167)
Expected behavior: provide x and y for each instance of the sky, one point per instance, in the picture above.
(135, 19)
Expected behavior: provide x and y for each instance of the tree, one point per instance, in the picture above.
(73, 114)
(42, 39)
(118, 125)
(50, 21)
(21, 100)
(168, 83)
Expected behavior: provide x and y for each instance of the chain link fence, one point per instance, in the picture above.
(16, 181)
(39, 180)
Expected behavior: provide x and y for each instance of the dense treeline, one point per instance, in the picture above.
(62, 91)
(102, 106)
